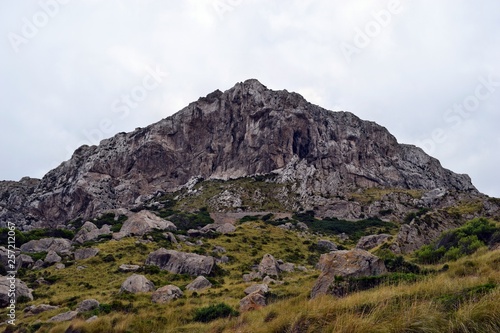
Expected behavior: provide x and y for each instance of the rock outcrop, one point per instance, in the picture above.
(246, 130)
(90, 232)
(143, 222)
(137, 284)
(268, 266)
(58, 245)
(7, 284)
(86, 253)
(199, 283)
(166, 294)
(369, 242)
(181, 262)
(346, 264)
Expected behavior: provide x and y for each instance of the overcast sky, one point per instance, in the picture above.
(75, 71)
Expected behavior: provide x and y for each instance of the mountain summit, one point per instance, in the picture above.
(326, 159)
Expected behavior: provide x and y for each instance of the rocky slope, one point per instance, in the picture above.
(322, 156)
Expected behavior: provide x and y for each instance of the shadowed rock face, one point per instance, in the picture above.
(245, 130)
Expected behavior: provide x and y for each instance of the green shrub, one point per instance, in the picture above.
(213, 312)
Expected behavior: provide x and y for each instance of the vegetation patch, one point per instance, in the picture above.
(213, 312)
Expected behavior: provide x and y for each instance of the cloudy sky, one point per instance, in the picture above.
(73, 72)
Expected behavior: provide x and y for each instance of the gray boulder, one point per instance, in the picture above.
(85, 253)
(128, 268)
(142, 223)
(254, 301)
(347, 264)
(87, 305)
(36, 309)
(252, 276)
(137, 284)
(38, 265)
(166, 294)
(199, 283)
(369, 242)
(181, 262)
(268, 266)
(60, 266)
(65, 316)
(223, 228)
(58, 245)
(24, 261)
(286, 267)
(259, 288)
(7, 284)
(90, 232)
(326, 244)
(52, 258)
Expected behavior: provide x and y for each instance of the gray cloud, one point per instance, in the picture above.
(60, 89)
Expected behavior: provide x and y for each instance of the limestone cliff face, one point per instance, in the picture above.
(245, 130)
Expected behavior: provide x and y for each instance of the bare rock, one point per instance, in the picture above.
(269, 266)
(143, 222)
(254, 301)
(128, 268)
(137, 284)
(52, 258)
(166, 294)
(90, 232)
(24, 261)
(181, 262)
(91, 319)
(224, 228)
(86, 253)
(353, 263)
(249, 277)
(38, 265)
(58, 245)
(65, 316)
(7, 284)
(326, 244)
(199, 283)
(286, 267)
(60, 266)
(257, 288)
(369, 242)
(87, 305)
(32, 310)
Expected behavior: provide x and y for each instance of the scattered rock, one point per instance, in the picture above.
(86, 253)
(60, 266)
(171, 237)
(219, 249)
(181, 262)
(199, 283)
(286, 267)
(21, 288)
(24, 261)
(353, 263)
(91, 319)
(137, 284)
(58, 245)
(87, 305)
(166, 294)
(257, 288)
(141, 223)
(252, 276)
(65, 316)
(302, 226)
(90, 232)
(254, 301)
(326, 244)
(369, 242)
(38, 265)
(128, 268)
(52, 258)
(32, 310)
(268, 280)
(268, 266)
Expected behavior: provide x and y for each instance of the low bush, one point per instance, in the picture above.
(213, 312)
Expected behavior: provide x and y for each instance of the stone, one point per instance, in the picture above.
(80, 268)
(252, 276)
(286, 267)
(21, 288)
(302, 226)
(268, 266)
(90, 232)
(326, 244)
(32, 310)
(257, 288)
(254, 301)
(219, 249)
(91, 319)
(171, 237)
(65, 316)
(52, 257)
(60, 266)
(181, 262)
(128, 268)
(199, 283)
(39, 264)
(372, 241)
(87, 305)
(346, 264)
(142, 223)
(269, 280)
(166, 294)
(24, 261)
(58, 245)
(86, 253)
(137, 284)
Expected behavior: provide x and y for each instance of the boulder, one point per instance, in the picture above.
(327, 245)
(223, 228)
(286, 267)
(21, 288)
(369, 242)
(181, 262)
(252, 276)
(90, 232)
(58, 245)
(91, 319)
(171, 237)
(24, 261)
(347, 264)
(142, 223)
(60, 266)
(257, 288)
(38, 265)
(199, 283)
(36, 309)
(86, 253)
(52, 258)
(137, 284)
(128, 268)
(268, 266)
(254, 301)
(65, 316)
(87, 305)
(219, 249)
(166, 294)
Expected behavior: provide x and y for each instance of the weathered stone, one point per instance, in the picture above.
(268, 266)
(36, 309)
(219, 249)
(142, 223)
(254, 301)
(24, 261)
(58, 245)
(326, 244)
(90, 232)
(52, 258)
(369, 242)
(171, 237)
(286, 267)
(257, 288)
(353, 263)
(166, 294)
(86, 253)
(21, 288)
(137, 284)
(87, 305)
(65, 316)
(224, 228)
(38, 265)
(302, 226)
(181, 262)
(252, 276)
(129, 268)
(60, 266)
(91, 319)
(199, 283)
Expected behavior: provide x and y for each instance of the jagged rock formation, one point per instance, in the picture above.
(181, 262)
(320, 155)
